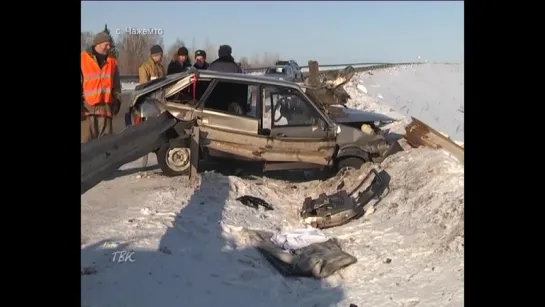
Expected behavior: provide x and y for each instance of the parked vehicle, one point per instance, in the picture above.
(281, 72)
(250, 118)
(294, 66)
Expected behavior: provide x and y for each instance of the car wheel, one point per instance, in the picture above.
(349, 164)
(174, 160)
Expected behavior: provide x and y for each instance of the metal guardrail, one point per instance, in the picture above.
(323, 68)
(103, 156)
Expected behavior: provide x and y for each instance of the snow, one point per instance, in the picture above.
(190, 247)
(128, 86)
(433, 93)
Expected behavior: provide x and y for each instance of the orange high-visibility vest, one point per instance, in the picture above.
(97, 83)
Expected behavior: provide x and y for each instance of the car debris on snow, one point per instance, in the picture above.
(318, 260)
(254, 202)
(340, 208)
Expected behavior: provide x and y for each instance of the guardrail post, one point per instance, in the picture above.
(194, 147)
(313, 71)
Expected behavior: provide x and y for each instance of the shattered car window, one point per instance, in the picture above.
(287, 108)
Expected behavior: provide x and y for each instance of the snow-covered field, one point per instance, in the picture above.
(190, 248)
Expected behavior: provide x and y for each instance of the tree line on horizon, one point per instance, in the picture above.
(131, 50)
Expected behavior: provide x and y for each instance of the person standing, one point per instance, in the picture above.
(200, 60)
(100, 89)
(225, 62)
(152, 68)
(180, 63)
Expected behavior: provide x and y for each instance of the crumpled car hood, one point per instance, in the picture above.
(341, 115)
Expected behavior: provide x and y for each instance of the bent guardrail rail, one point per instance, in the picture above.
(103, 156)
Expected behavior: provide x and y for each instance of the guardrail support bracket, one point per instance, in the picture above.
(194, 147)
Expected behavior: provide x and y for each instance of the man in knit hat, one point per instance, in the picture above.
(180, 62)
(153, 67)
(200, 60)
(100, 89)
(225, 62)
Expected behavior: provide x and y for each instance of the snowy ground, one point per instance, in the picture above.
(190, 249)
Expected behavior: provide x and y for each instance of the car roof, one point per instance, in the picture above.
(210, 74)
(246, 78)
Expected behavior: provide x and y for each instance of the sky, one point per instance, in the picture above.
(330, 32)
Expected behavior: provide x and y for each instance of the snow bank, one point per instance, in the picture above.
(433, 93)
(128, 86)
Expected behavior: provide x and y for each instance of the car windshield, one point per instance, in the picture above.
(276, 70)
(282, 63)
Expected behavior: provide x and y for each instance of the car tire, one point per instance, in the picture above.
(174, 160)
(349, 163)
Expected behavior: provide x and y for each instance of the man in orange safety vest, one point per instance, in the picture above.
(101, 89)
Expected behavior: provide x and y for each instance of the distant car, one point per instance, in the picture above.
(281, 72)
(294, 66)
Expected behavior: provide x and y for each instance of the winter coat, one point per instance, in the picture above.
(204, 66)
(225, 64)
(150, 70)
(176, 67)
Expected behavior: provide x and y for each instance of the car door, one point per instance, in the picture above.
(299, 131)
(224, 133)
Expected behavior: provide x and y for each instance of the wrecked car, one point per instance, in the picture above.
(330, 94)
(250, 118)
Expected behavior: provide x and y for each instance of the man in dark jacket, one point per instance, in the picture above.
(200, 60)
(180, 63)
(225, 61)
